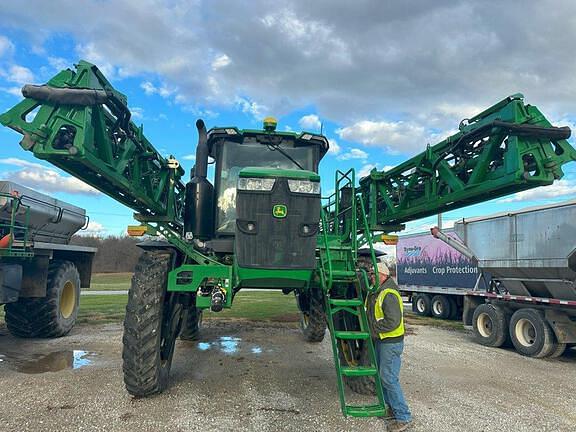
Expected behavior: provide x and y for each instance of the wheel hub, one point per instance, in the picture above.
(485, 325)
(68, 299)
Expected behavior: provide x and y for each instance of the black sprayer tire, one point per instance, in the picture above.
(421, 304)
(312, 316)
(490, 325)
(531, 334)
(151, 325)
(51, 316)
(191, 323)
(441, 307)
(364, 385)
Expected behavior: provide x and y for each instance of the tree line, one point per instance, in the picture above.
(116, 254)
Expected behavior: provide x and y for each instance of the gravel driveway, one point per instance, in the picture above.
(263, 377)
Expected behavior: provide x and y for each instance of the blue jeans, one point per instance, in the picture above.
(389, 357)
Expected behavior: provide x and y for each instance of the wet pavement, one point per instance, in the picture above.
(264, 377)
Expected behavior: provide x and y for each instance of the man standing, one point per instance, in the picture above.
(385, 315)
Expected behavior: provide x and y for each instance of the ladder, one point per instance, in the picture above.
(342, 284)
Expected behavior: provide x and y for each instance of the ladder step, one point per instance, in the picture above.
(351, 335)
(359, 371)
(366, 411)
(346, 302)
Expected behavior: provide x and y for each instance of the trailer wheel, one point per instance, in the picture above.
(455, 310)
(559, 350)
(152, 323)
(441, 307)
(421, 304)
(312, 315)
(531, 334)
(191, 324)
(490, 325)
(51, 316)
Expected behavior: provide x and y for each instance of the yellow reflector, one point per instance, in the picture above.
(388, 239)
(137, 230)
(270, 124)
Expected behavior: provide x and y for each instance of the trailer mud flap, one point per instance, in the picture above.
(10, 282)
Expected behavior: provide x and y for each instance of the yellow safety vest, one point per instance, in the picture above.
(379, 314)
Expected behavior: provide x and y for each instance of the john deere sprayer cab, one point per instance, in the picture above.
(262, 222)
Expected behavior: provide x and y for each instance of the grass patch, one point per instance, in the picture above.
(110, 281)
(412, 318)
(250, 305)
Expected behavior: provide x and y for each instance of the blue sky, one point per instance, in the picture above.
(379, 96)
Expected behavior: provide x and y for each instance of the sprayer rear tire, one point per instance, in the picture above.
(313, 320)
(191, 323)
(151, 326)
(51, 316)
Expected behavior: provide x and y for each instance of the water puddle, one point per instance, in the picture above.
(231, 345)
(51, 362)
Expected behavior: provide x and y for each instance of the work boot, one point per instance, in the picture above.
(398, 426)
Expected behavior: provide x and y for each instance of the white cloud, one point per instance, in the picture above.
(94, 229)
(560, 188)
(333, 148)
(310, 122)
(39, 177)
(190, 157)
(251, 107)
(59, 63)
(18, 74)
(221, 62)
(14, 91)
(353, 154)
(137, 113)
(164, 90)
(397, 137)
(6, 46)
(365, 170)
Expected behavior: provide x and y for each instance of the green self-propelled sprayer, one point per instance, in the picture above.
(262, 223)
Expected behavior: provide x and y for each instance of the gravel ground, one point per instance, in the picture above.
(262, 377)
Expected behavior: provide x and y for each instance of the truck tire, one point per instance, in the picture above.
(357, 356)
(152, 323)
(531, 334)
(490, 325)
(441, 307)
(421, 304)
(455, 310)
(191, 323)
(51, 316)
(559, 349)
(312, 315)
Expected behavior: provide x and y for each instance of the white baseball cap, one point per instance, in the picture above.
(383, 268)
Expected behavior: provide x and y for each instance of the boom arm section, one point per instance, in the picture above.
(81, 124)
(508, 148)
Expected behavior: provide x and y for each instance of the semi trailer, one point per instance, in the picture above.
(261, 222)
(529, 298)
(40, 272)
(433, 275)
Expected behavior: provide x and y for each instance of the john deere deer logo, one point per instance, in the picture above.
(279, 211)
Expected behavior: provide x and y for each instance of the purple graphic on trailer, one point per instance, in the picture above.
(425, 260)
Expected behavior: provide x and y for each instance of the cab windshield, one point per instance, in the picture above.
(236, 156)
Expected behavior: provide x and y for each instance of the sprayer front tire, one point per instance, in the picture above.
(312, 316)
(490, 325)
(152, 323)
(53, 315)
